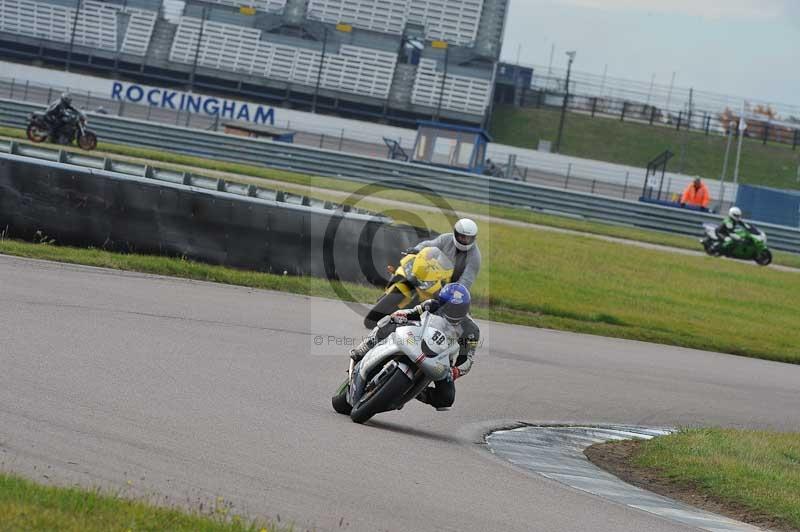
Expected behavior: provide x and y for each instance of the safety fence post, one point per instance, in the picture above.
(625, 189)
(569, 172)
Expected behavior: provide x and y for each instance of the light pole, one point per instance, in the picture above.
(742, 129)
(72, 35)
(197, 49)
(321, 64)
(121, 13)
(564, 105)
(442, 44)
(725, 167)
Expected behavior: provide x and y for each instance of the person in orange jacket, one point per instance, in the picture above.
(696, 195)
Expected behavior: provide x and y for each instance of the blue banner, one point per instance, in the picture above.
(193, 103)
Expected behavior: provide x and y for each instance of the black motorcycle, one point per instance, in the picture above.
(72, 128)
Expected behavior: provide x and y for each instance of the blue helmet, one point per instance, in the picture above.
(454, 299)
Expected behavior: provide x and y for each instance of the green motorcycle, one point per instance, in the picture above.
(751, 244)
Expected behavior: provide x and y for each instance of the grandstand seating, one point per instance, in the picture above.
(461, 93)
(226, 46)
(359, 63)
(97, 25)
(455, 21)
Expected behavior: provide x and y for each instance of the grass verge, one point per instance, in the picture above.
(751, 475)
(25, 505)
(360, 194)
(773, 165)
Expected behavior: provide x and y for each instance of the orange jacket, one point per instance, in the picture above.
(698, 197)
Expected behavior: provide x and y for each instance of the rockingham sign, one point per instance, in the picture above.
(144, 95)
(193, 103)
(164, 98)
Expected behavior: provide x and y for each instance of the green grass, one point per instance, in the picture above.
(359, 194)
(586, 285)
(178, 267)
(607, 139)
(759, 471)
(25, 505)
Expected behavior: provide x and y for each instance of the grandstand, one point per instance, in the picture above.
(399, 60)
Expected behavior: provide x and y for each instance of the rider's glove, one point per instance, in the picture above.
(456, 373)
(400, 316)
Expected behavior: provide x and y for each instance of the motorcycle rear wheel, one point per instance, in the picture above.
(36, 133)
(380, 399)
(764, 258)
(88, 141)
(387, 304)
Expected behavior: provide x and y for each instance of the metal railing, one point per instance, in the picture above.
(570, 173)
(763, 124)
(401, 175)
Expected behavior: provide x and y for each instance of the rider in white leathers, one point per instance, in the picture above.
(453, 306)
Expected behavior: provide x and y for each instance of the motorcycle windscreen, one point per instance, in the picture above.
(431, 265)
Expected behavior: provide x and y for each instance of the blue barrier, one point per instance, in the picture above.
(763, 204)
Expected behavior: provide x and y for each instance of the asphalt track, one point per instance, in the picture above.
(187, 391)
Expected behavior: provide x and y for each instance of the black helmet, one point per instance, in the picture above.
(66, 99)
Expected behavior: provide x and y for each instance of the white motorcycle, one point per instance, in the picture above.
(397, 370)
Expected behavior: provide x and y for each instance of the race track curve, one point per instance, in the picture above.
(193, 390)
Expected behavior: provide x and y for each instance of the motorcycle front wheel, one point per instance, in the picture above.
(87, 141)
(381, 397)
(339, 401)
(712, 247)
(764, 258)
(36, 132)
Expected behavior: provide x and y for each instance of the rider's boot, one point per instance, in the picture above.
(358, 352)
(423, 397)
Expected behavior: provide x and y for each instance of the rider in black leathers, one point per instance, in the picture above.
(56, 115)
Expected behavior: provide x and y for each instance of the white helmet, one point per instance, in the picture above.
(735, 213)
(464, 234)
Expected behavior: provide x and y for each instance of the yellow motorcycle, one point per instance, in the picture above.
(418, 278)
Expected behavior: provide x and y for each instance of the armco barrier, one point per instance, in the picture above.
(53, 153)
(395, 174)
(80, 206)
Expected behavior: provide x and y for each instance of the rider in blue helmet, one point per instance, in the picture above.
(453, 304)
(454, 301)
